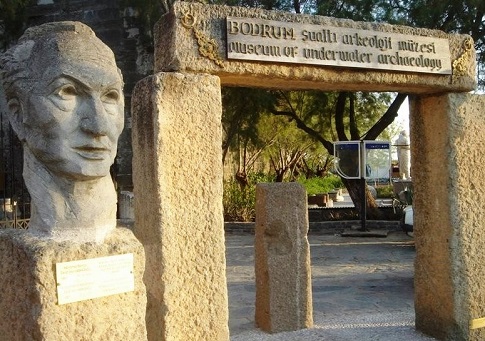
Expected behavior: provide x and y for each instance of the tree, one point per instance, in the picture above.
(147, 13)
(323, 117)
(288, 147)
(355, 116)
(451, 16)
(241, 112)
(462, 16)
(252, 133)
(242, 109)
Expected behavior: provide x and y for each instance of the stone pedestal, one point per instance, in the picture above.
(29, 308)
(447, 142)
(282, 258)
(177, 176)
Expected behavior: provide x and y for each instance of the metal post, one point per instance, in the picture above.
(363, 184)
(363, 206)
(14, 208)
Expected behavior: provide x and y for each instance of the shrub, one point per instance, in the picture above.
(239, 204)
(319, 185)
(385, 191)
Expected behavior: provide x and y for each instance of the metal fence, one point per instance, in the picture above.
(14, 197)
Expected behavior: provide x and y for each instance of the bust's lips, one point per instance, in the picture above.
(93, 152)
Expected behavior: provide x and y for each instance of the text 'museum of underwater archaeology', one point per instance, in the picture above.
(275, 41)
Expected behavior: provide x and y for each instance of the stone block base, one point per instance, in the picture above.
(29, 308)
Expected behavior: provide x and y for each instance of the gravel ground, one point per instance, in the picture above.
(362, 288)
(368, 327)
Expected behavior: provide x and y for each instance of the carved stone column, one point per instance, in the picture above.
(282, 258)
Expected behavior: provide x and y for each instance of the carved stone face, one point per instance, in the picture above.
(74, 112)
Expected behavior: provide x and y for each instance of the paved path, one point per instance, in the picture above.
(362, 288)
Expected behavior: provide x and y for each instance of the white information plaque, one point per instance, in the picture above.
(96, 277)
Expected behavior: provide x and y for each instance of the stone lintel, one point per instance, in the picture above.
(449, 183)
(28, 301)
(177, 177)
(185, 34)
(282, 258)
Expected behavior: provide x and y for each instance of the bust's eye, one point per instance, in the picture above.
(111, 96)
(67, 91)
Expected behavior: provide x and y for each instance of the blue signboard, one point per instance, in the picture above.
(347, 159)
(377, 145)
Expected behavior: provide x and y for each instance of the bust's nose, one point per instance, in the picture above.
(94, 118)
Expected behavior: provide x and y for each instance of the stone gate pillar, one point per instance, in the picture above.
(177, 176)
(448, 142)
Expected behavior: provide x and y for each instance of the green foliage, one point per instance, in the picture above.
(362, 10)
(242, 108)
(315, 108)
(239, 202)
(282, 5)
(286, 145)
(451, 16)
(320, 185)
(332, 116)
(385, 191)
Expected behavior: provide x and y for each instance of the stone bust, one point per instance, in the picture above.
(65, 102)
(404, 155)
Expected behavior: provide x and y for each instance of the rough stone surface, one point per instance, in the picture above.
(178, 205)
(176, 49)
(28, 300)
(449, 182)
(282, 258)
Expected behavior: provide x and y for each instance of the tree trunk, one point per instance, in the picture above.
(280, 175)
(242, 179)
(354, 188)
